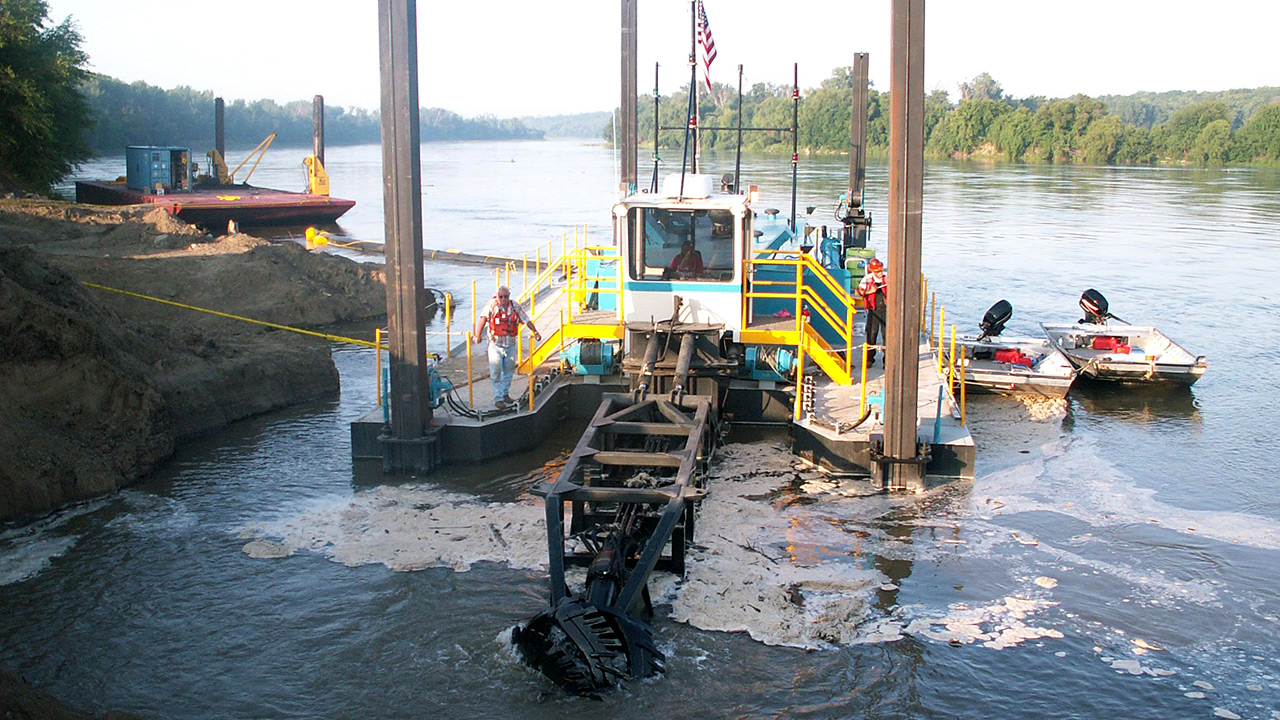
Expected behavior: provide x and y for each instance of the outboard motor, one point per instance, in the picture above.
(993, 322)
(1095, 307)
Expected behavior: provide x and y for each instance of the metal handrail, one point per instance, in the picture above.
(571, 265)
(808, 340)
(579, 289)
(828, 313)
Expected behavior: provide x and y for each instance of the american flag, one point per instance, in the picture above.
(708, 45)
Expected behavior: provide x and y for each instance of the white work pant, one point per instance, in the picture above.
(502, 366)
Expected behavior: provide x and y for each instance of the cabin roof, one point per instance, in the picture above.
(719, 201)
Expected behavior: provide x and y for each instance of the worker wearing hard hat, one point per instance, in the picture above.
(502, 319)
(872, 290)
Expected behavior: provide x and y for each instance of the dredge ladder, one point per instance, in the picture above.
(631, 488)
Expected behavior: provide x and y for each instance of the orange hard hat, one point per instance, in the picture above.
(875, 264)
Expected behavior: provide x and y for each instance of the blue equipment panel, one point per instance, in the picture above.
(147, 166)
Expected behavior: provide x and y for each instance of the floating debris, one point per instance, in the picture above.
(1202, 685)
(812, 487)
(1047, 583)
(267, 550)
(1225, 714)
(1024, 541)
(1139, 642)
(1194, 695)
(1133, 667)
(997, 626)
(1040, 408)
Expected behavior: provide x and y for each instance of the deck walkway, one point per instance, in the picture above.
(828, 437)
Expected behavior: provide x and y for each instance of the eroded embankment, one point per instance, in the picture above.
(96, 388)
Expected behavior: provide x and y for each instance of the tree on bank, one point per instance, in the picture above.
(1204, 129)
(42, 113)
(140, 114)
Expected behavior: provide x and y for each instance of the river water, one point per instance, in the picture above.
(1116, 556)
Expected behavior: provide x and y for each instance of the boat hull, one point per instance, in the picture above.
(1050, 376)
(215, 207)
(1164, 362)
(1010, 384)
(1142, 373)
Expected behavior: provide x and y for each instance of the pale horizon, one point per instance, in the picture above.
(518, 60)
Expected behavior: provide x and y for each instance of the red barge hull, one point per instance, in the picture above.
(213, 207)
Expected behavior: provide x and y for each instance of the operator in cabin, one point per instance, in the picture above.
(687, 264)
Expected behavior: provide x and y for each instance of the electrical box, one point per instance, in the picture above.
(158, 169)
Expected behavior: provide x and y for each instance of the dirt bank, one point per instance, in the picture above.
(97, 388)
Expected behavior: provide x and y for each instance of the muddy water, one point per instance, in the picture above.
(1115, 557)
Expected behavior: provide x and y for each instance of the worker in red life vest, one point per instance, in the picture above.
(872, 290)
(502, 319)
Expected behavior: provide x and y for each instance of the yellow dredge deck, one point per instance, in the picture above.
(824, 423)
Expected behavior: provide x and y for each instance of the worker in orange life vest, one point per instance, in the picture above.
(872, 290)
(502, 319)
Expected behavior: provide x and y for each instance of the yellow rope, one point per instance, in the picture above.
(335, 338)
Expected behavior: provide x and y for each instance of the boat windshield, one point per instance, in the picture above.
(681, 244)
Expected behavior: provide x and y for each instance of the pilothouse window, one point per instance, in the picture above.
(681, 244)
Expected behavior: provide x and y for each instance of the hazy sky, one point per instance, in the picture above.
(509, 58)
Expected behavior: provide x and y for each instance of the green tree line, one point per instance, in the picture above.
(54, 114)
(577, 125)
(141, 114)
(1238, 127)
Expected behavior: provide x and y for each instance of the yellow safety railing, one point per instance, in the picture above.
(826, 357)
(545, 280)
(582, 284)
(836, 362)
(565, 277)
(951, 360)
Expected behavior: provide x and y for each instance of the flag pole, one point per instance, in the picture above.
(737, 165)
(693, 63)
(795, 141)
(653, 187)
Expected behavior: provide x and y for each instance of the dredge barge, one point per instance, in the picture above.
(765, 332)
(704, 310)
(168, 177)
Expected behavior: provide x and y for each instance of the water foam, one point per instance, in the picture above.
(28, 550)
(1102, 495)
(407, 528)
(30, 557)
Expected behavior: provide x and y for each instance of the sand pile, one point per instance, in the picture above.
(97, 387)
